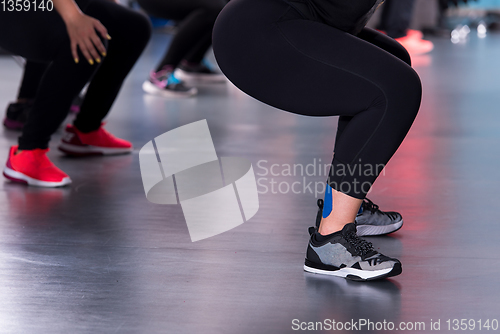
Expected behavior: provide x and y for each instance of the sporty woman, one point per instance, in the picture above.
(183, 62)
(87, 40)
(319, 60)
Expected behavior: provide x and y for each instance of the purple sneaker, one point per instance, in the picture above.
(164, 83)
(17, 114)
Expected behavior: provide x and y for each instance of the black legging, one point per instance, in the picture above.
(42, 37)
(270, 52)
(194, 33)
(32, 75)
(396, 17)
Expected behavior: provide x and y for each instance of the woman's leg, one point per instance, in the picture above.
(373, 222)
(130, 33)
(395, 21)
(198, 51)
(385, 43)
(396, 17)
(316, 70)
(32, 75)
(196, 18)
(17, 112)
(321, 71)
(42, 37)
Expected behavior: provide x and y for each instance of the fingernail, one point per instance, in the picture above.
(91, 62)
(76, 60)
(98, 60)
(103, 54)
(108, 37)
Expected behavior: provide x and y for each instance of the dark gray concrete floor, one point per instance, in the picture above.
(97, 257)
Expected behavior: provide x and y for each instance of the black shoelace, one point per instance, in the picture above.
(374, 208)
(369, 205)
(361, 246)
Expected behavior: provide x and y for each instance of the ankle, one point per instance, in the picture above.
(327, 228)
(165, 68)
(189, 64)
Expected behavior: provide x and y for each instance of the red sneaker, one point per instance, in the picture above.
(417, 34)
(32, 167)
(415, 46)
(98, 142)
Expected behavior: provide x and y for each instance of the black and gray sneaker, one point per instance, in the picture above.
(165, 83)
(17, 114)
(199, 73)
(371, 220)
(344, 254)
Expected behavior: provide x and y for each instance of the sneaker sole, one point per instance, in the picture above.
(77, 150)
(200, 78)
(13, 125)
(373, 230)
(150, 88)
(358, 275)
(21, 178)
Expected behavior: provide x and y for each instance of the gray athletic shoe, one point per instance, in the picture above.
(344, 254)
(370, 220)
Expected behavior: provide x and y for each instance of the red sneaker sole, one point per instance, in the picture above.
(81, 151)
(21, 178)
(13, 125)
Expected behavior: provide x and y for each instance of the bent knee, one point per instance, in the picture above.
(141, 25)
(401, 94)
(406, 83)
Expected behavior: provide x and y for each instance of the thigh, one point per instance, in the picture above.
(36, 36)
(121, 22)
(302, 66)
(385, 43)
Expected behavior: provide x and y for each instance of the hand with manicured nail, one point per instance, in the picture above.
(83, 32)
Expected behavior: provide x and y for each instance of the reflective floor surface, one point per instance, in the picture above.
(97, 257)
